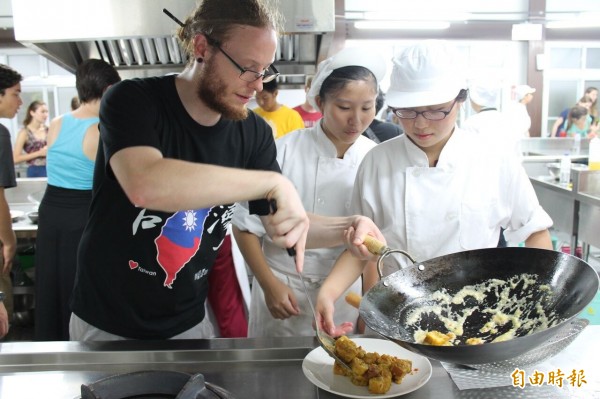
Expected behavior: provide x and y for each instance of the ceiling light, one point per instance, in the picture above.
(583, 20)
(402, 25)
(416, 16)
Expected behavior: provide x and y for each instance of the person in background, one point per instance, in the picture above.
(592, 93)
(516, 111)
(4, 321)
(310, 115)
(380, 131)
(177, 152)
(30, 145)
(321, 162)
(228, 307)
(10, 102)
(484, 96)
(75, 103)
(487, 120)
(578, 122)
(72, 146)
(559, 125)
(281, 118)
(437, 189)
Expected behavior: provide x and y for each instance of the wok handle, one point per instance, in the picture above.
(375, 246)
(353, 299)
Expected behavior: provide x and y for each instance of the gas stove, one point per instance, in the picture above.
(153, 384)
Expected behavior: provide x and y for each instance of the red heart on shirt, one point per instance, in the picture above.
(133, 264)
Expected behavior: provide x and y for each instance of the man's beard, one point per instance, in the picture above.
(210, 90)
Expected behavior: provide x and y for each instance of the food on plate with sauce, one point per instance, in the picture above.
(370, 369)
(492, 311)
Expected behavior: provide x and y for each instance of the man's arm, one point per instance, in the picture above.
(7, 235)
(154, 182)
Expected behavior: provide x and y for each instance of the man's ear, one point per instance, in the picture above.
(200, 46)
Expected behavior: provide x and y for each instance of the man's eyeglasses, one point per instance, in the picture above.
(429, 115)
(248, 75)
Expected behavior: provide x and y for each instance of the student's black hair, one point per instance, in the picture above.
(340, 77)
(271, 86)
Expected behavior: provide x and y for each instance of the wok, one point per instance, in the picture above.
(387, 306)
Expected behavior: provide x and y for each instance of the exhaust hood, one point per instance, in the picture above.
(137, 38)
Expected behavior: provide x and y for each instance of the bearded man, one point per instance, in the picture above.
(177, 153)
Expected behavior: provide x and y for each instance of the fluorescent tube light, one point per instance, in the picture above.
(583, 20)
(573, 24)
(402, 25)
(416, 16)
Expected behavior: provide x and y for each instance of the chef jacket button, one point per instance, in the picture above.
(320, 201)
(347, 204)
(416, 173)
(451, 216)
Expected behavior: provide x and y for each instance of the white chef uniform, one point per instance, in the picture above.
(496, 126)
(309, 159)
(460, 204)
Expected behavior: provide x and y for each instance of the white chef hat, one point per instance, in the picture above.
(427, 73)
(349, 56)
(485, 93)
(522, 90)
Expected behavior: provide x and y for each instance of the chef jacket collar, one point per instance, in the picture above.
(450, 155)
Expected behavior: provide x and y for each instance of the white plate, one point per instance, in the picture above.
(318, 368)
(14, 215)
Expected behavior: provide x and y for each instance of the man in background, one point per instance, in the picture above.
(281, 118)
(484, 98)
(10, 101)
(517, 110)
(310, 115)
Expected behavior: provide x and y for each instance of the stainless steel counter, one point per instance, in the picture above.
(574, 209)
(248, 368)
(559, 202)
(23, 226)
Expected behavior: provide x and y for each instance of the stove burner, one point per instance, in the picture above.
(153, 384)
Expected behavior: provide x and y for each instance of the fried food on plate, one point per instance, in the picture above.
(370, 369)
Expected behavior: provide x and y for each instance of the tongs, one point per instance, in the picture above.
(326, 341)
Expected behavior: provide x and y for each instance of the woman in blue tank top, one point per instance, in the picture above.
(72, 145)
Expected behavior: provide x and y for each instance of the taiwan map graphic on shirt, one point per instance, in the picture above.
(178, 241)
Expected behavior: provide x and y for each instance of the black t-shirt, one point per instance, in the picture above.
(143, 273)
(7, 166)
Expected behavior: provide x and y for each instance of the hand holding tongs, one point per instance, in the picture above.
(326, 341)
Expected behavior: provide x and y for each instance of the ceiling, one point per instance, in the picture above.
(471, 19)
(468, 19)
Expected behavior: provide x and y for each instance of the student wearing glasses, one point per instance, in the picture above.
(177, 152)
(437, 189)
